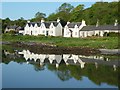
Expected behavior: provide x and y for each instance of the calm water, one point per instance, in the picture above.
(25, 69)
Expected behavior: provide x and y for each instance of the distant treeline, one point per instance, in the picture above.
(104, 12)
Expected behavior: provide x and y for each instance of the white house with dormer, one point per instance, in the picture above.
(73, 29)
(47, 28)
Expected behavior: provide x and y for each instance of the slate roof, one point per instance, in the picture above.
(54, 62)
(101, 27)
(70, 61)
(47, 24)
(20, 28)
(31, 23)
(15, 27)
(38, 24)
(55, 23)
(72, 25)
(12, 27)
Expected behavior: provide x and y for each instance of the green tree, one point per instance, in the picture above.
(63, 11)
(103, 11)
(51, 17)
(40, 15)
(65, 7)
(77, 13)
(5, 22)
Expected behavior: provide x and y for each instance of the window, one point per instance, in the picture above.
(43, 31)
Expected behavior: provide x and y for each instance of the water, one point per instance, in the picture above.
(25, 69)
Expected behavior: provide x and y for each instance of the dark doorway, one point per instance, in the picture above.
(70, 33)
(46, 33)
(106, 34)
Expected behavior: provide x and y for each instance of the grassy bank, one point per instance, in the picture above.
(92, 42)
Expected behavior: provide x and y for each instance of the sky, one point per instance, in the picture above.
(27, 10)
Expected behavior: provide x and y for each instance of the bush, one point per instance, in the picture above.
(12, 32)
(113, 34)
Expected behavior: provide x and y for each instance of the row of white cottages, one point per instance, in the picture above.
(74, 29)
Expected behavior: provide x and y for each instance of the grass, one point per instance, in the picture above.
(92, 42)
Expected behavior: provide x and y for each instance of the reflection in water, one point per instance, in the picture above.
(53, 59)
(66, 66)
(69, 59)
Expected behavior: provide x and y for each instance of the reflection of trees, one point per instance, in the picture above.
(3, 54)
(37, 66)
(63, 75)
(62, 72)
(75, 71)
(102, 74)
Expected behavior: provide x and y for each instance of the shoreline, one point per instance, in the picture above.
(50, 48)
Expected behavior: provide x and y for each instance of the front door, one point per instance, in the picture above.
(71, 34)
(46, 33)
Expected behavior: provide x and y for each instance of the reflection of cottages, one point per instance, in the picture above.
(11, 54)
(73, 58)
(57, 59)
(68, 59)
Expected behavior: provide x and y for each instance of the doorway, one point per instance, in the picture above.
(46, 33)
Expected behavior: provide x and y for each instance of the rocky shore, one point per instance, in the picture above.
(51, 48)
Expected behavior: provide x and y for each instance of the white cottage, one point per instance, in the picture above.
(99, 30)
(72, 29)
(49, 28)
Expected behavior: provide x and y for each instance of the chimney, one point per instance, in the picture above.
(116, 23)
(28, 21)
(97, 23)
(68, 22)
(58, 20)
(42, 20)
(57, 65)
(83, 23)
